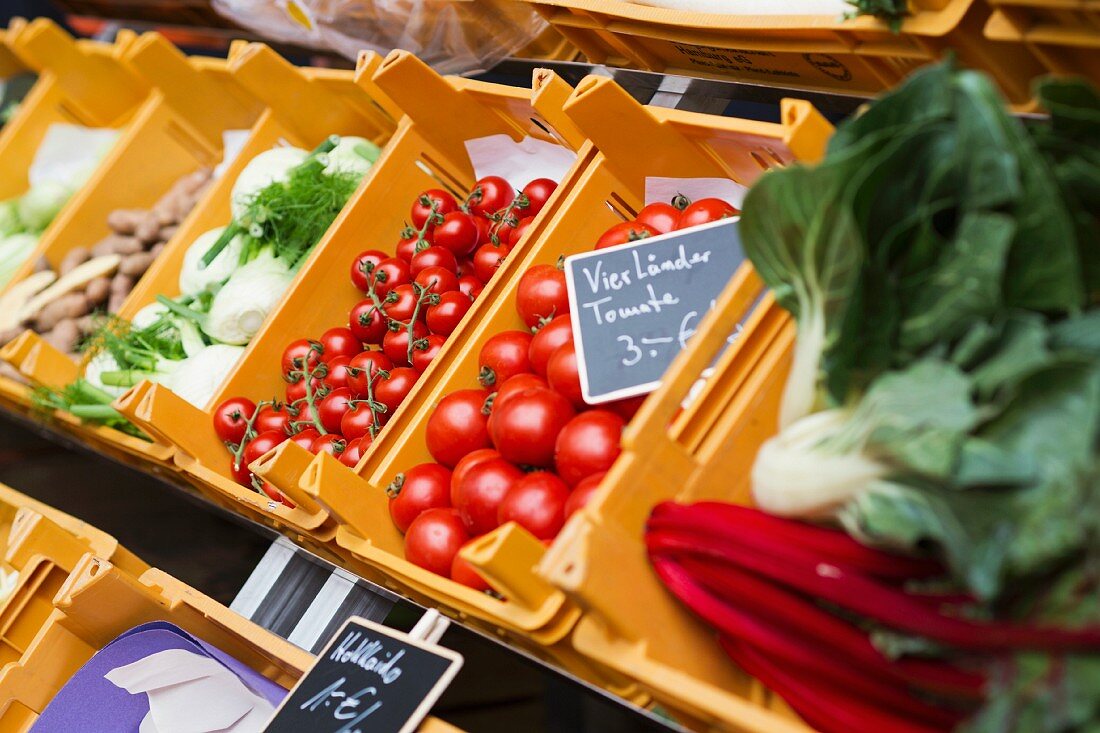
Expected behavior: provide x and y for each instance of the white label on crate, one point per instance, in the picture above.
(232, 143)
(665, 189)
(521, 162)
(69, 154)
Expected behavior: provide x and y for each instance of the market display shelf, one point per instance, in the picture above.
(624, 712)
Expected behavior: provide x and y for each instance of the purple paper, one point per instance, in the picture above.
(91, 704)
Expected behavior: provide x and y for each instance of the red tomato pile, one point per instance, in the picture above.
(343, 387)
(522, 446)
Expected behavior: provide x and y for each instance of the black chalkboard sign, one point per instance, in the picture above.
(634, 306)
(368, 679)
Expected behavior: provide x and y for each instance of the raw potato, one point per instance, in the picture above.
(64, 336)
(42, 264)
(98, 290)
(166, 233)
(17, 296)
(157, 248)
(148, 228)
(78, 256)
(71, 305)
(77, 279)
(135, 265)
(117, 244)
(125, 221)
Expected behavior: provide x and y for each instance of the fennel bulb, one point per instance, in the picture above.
(248, 296)
(147, 316)
(194, 278)
(93, 373)
(351, 155)
(10, 223)
(197, 378)
(268, 167)
(38, 206)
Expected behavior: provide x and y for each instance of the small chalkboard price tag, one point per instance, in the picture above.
(368, 679)
(634, 306)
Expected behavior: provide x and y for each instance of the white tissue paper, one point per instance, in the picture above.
(189, 693)
(69, 153)
(232, 143)
(521, 162)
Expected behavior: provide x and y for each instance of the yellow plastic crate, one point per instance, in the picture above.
(440, 115)
(99, 601)
(1063, 34)
(248, 80)
(610, 186)
(822, 52)
(43, 545)
(79, 82)
(174, 132)
(10, 65)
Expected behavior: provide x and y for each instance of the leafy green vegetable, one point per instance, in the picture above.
(943, 265)
(893, 12)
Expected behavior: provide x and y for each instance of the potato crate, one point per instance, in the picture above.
(823, 52)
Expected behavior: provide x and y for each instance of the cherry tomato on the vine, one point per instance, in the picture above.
(538, 192)
(240, 472)
(357, 421)
(367, 322)
(363, 367)
(457, 426)
(339, 341)
(390, 273)
(392, 390)
(353, 451)
(457, 232)
(273, 417)
(332, 408)
(542, 294)
(274, 494)
(406, 246)
(395, 344)
(434, 539)
(434, 256)
(422, 357)
(301, 355)
(424, 486)
(231, 419)
(519, 230)
(437, 280)
(443, 317)
(361, 266)
(487, 259)
(333, 444)
(490, 195)
(261, 444)
(400, 303)
(503, 356)
(470, 286)
(431, 201)
(337, 376)
(305, 438)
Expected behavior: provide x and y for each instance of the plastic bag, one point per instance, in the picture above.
(453, 36)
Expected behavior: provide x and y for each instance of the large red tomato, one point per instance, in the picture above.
(705, 211)
(525, 427)
(502, 357)
(433, 539)
(563, 374)
(537, 503)
(478, 495)
(588, 444)
(422, 487)
(467, 462)
(463, 572)
(542, 294)
(582, 493)
(546, 341)
(457, 426)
